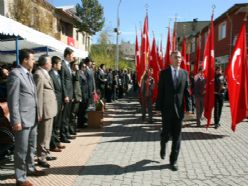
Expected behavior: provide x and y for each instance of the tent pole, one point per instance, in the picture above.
(17, 50)
(47, 50)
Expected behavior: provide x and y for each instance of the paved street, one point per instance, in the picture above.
(126, 152)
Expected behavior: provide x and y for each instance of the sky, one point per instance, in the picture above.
(160, 13)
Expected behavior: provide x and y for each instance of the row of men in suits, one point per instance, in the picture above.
(44, 107)
(112, 84)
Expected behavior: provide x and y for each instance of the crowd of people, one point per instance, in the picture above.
(48, 102)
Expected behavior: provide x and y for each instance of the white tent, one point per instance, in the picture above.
(29, 38)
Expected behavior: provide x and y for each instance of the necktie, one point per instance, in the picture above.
(58, 78)
(175, 78)
(30, 78)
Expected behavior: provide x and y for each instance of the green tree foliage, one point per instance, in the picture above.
(91, 15)
(104, 52)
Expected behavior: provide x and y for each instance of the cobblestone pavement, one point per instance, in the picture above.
(128, 153)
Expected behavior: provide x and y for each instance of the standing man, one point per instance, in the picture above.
(47, 109)
(67, 87)
(109, 86)
(220, 90)
(77, 97)
(199, 92)
(102, 79)
(172, 89)
(82, 115)
(90, 79)
(147, 87)
(22, 103)
(55, 144)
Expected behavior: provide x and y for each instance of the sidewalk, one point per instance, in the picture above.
(66, 168)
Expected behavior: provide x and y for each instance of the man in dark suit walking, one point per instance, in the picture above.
(67, 86)
(173, 88)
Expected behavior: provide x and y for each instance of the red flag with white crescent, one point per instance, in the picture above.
(208, 66)
(237, 80)
(168, 50)
(144, 58)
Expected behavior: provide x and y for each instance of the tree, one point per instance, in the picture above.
(91, 15)
(104, 52)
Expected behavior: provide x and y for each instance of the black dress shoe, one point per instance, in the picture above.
(65, 141)
(174, 167)
(50, 158)
(37, 173)
(43, 164)
(71, 137)
(73, 133)
(162, 149)
(162, 154)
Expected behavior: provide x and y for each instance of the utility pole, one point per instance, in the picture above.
(117, 30)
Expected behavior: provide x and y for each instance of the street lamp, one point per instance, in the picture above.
(117, 30)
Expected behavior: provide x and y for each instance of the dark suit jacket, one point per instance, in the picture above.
(57, 87)
(66, 77)
(101, 78)
(171, 100)
(84, 86)
(77, 93)
(91, 80)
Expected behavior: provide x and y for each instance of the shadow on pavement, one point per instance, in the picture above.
(109, 169)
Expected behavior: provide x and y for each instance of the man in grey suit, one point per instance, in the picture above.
(47, 109)
(22, 103)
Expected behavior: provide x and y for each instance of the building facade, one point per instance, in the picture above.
(226, 30)
(44, 17)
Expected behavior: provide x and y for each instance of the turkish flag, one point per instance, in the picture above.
(155, 66)
(137, 57)
(197, 61)
(144, 51)
(208, 66)
(184, 56)
(237, 80)
(168, 50)
(160, 57)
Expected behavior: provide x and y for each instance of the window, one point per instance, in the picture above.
(222, 31)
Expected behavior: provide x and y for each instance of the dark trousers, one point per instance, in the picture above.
(82, 114)
(65, 121)
(172, 127)
(218, 104)
(55, 139)
(109, 92)
(74, 117)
